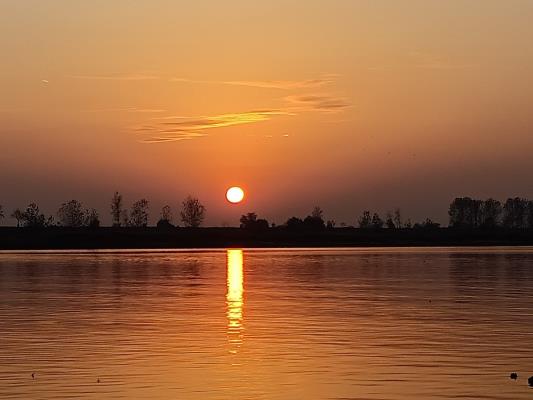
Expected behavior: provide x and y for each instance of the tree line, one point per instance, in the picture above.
(72, 214)
(315, 221)
(464, 213)
(515, 213)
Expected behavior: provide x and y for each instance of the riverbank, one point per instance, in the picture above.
(135, 238)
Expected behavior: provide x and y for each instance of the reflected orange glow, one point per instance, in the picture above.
(234, 298)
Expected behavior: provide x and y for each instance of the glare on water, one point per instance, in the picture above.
(234, 296)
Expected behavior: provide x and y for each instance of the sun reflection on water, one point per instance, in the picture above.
(234, 298)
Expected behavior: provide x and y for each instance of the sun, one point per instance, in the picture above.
(235, 194)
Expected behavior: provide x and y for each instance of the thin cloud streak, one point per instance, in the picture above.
(285, 85)
(127, 109)
(184, 128)
(318, 102)
(119, 77)
(267, 84)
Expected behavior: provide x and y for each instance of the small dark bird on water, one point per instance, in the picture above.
(513, 376)
(530, 381)
(33, 375)
(98, 380)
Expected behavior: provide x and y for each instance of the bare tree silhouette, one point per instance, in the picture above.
(116, 209)
(165, 219)
(166, 213)
(192, 212)
(124, 218)
(398, 223)
(389, 222)
(317, 213)
(71, 214)
(33, 218)
(365, 220)
(17, 214)
(139, 214)
(92, 219)
(377, 222)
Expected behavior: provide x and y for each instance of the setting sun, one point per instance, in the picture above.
(235, 194)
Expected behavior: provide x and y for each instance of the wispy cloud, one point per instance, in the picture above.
(318, 102)
(286, 85)
(119, 77)
(126, 109)
(175, 128)
(268, 84)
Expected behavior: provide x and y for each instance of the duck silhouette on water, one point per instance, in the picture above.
(513, 376)
(530, 381)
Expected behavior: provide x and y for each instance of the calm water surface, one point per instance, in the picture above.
(267, 324)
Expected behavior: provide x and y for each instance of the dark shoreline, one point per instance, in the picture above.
(56, 238)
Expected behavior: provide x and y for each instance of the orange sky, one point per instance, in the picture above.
(351, 105)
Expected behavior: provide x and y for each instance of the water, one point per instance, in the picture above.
(267, 324)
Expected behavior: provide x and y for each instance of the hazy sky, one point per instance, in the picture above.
(351, 105)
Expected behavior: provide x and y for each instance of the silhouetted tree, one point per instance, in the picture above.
(315, 221)
(17, 214)
(427, 224)
(166, 213)
(117, 209)
(313, 224)
(330, 224)
(317, 213)
(515, 213)
(261, 224)
(71, 214)
(124, 218)
(294, 223)
(165, 220)
(365, 220)
(92, 219)
(491, 211)
(530, 214)
(465, 212)
(389, 223)
(192, 212)
(250, 221)
(398, 219)
(377, 222)
(139, 214)
(32, 217)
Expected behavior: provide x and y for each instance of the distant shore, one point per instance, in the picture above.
(135, 238)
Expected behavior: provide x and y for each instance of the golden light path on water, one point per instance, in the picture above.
(234, 298)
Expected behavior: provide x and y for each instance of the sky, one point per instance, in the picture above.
(349, 105)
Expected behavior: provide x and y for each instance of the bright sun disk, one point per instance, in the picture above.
(235, 194)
